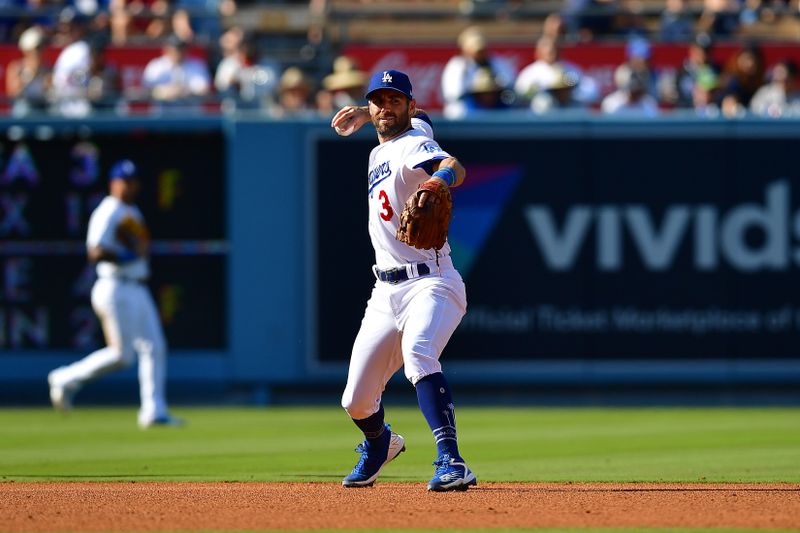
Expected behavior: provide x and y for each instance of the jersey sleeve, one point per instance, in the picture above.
(102, 227)
(423, 123)
(424, 152)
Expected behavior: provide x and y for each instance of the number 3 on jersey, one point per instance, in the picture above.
(386, 208)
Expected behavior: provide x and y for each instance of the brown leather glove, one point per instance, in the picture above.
(426, 227)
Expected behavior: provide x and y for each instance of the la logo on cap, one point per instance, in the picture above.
(387, 78)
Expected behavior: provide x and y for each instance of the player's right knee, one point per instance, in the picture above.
(358, 409)
(123, 359)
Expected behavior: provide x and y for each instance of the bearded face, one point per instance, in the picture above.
(390, 112)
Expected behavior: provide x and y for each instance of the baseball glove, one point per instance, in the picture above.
(133, 234)
(426, 227)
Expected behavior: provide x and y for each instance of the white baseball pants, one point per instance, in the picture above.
(407, 324)
(131, 325)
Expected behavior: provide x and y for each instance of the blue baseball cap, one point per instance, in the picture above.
(122, 170)
(390, 79)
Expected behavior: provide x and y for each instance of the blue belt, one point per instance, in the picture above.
(398, 274)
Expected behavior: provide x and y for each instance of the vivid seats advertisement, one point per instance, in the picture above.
(595, 247)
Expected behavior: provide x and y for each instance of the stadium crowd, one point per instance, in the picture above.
(208, 62)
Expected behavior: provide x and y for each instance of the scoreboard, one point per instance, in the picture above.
(51, 178)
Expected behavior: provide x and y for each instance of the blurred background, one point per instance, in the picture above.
(629, 231)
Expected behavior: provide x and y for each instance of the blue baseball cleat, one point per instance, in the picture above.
(451, 474)
(162, 421)
(372, 461)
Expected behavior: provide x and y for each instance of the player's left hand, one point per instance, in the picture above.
(425, 219)
(134, 236)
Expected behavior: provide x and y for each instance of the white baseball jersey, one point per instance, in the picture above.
(395, 172)
(103, 232)
(128, 315)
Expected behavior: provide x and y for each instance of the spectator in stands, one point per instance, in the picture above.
(175, 79)
(459, 72)
(554, 27)
(781, 96)
(630, 21)
(28, 79)
(346, 84)
(148, 18)
(205, 17)
(705, 93)
(181, 26)
(719, 18)
(638, 53)
(486, 94)
(558, 95)
(120, 24)
(295, 95)
(244, 79)
(547, 68)
(82, 80)
(631, 97)
(591, 18)
(676, 23)
(70, 28)
(676, 88)
(743, 75)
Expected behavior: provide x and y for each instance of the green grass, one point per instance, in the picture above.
(315, 444)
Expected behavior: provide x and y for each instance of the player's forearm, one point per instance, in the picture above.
(451, 171)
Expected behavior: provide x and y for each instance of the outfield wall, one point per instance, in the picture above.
(594, 252)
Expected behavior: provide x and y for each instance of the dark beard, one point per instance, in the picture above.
(391, 131)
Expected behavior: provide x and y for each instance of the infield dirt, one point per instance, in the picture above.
(146, 506)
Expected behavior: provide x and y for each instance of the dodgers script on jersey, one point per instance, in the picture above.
(394, 174)
(102, 232)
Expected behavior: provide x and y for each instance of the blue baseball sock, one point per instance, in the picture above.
(374, 429)
(436, 404)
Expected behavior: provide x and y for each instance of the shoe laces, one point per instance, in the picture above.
(442, 464)
(362, 449)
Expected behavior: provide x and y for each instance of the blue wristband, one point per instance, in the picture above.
(448, 174)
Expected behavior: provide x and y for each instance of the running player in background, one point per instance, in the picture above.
(118, 242)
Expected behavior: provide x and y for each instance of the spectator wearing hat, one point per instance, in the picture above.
(486, 94)
(547, 70)
(174, 79)
(631, 97)
(295, 92)
(459, 72)
(28, 79)
(346, 84)
(558, 94)
(637, 59)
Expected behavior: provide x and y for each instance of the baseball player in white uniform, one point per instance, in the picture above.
(117, 241)
(418, 299)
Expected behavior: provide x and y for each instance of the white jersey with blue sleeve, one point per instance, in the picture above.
(102, 232)
(396, 169)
